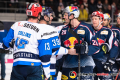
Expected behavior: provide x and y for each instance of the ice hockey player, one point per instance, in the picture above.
(70, 63)
(107, 43)
(46, 18)
(32, 48)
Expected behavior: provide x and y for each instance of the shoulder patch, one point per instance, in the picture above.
(104, 32)
(80, 31)
(63, 32)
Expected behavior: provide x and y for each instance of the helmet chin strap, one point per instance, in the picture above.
(47, 21)
(99, 23)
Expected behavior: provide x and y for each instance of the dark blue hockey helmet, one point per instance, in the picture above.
(46, 11)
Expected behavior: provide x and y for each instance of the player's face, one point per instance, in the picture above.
(51, 18)
(95, 21)
(105, 22)
(46, 18)
(66, 17)
(118, 20)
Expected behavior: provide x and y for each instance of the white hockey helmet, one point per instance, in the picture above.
(107, 16)
(118, 15)
(72, 10)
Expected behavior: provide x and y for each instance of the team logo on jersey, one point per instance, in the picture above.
(71, 42)
(64, 77)
(20, 24)
(80, 31)
(104, 32)
(100, 41)
(72, 74)
(63, 32)
(32, 64)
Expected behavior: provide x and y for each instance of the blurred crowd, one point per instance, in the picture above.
(86, 7)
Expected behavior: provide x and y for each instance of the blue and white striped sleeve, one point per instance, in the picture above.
(45, 53)
(61, 51)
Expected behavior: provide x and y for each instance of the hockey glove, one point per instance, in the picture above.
(109, 64)
(82, 48)
(11, 44)
(105, 48)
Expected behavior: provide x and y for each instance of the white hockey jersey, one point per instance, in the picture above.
(33, 44)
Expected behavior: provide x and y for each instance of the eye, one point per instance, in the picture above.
(52, 15)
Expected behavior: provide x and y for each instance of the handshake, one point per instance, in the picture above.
(81, 48)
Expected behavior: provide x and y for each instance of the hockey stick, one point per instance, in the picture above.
(117, 74)
(78, 38)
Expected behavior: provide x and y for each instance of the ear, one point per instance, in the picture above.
(45, 17)
(101, 19)
(73, 15)
(109, 21)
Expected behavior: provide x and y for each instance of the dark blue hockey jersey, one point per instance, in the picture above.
(116, 31)
(68, 41)
(105, 35)
(3, 33)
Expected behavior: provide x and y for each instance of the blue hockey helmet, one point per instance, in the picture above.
(46, 11)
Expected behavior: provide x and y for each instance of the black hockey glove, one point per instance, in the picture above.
(11, 44)
(109, 64)
(81, 48)
(105, 48)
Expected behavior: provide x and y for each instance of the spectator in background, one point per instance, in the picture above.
(105, 6)
(92, 6)
(73, 3)
(43, 3)
(109, 10)
(3, 33)
(85, 2)
(59, 14)
(114, 7)
(50, 3)
(83, 13)
(99, 4)
(114, 10)
(61, 4)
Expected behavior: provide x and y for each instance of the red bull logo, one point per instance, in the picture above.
(73, 8)
(100, 41)
(71, 42)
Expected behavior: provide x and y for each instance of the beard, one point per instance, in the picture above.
(118, 25)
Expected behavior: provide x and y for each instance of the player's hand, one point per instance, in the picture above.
(72, 51)
(46, 78)
(81, 48)
(11, 44)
